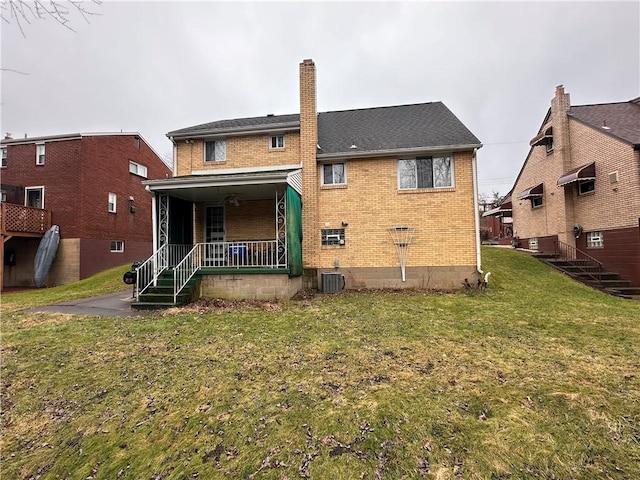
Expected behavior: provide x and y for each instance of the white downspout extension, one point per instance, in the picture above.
(476, 216)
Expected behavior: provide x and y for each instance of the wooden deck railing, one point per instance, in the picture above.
(24, 221)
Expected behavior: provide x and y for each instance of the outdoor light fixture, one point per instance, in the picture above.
(132, 208)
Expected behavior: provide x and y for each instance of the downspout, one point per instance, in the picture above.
(476, 216)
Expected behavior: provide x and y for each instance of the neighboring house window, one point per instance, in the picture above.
(137, 169)
(117, 246)
(276, 141)
(215, 151)
(40, 154)
(533, 243)
(549, 145)
(4, 157)
(333, 174)
(536, 202)
(595, 240)
(34, 197)
(113, 198)
(586, 186)
(3, 196)
(332, 236)
(425, 172)
(136, 142)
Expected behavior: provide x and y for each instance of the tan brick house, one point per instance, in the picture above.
(269, 205)
(90, 185)
(579, 186)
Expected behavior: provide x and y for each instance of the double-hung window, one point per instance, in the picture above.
(117, 246)
(425, 172)
(334, 174)
(4, 157)
(40, 154)
(215, 151)
(113, 199)
(276, 141)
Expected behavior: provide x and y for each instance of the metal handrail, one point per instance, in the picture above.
(165, 257)
(186, 269)
(569, 253)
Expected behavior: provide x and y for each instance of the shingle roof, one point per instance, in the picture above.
(621, 119)
(370, 129)
(222, 126)
(391, 128)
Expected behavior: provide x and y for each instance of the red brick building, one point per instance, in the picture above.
(88, 184)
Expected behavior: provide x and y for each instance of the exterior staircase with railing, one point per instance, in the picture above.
(585, 269)
(162, 294)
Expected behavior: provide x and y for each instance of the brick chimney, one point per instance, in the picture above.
(308, 146)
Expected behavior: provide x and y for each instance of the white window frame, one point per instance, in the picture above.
(137, 169)
(4, 157)
(275, 143)
(404, 164)
(112, 206)
(3, 196)
(117, 246)
(595, 239)
(40, 154)
(533, 243)
(26, 194)
(333, 174)
(219, 150)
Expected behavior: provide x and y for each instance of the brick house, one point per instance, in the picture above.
(88, 184)
(269, 205)
(579, 186)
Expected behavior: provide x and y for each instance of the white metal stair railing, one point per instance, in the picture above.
(147, 273)
(186, 269)
(165, 257)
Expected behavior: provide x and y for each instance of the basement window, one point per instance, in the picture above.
(595, 240)
(533, 243)
(117, 246)
(332, 236)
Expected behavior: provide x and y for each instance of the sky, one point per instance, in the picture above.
(154, 67)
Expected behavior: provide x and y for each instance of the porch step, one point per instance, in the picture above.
(161, 296)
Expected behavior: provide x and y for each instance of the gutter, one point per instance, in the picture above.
(396, 151)
(231, 132)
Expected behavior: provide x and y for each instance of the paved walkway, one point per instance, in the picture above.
(110, 305)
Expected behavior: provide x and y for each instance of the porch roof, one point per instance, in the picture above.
(247, 184)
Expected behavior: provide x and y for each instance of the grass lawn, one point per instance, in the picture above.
(536, 377)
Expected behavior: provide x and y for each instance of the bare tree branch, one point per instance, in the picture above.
(23, 12)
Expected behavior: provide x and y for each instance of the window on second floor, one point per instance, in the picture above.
(215, 151)
(137, 169)
(34, 197)
(425, 172)
(113, 200)
(276, 141)
(586, 186)
(334, 174)
(595, 240)
(40, 154)
(536, 202)
(4, 156)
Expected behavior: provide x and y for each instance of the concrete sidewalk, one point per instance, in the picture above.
(110, 305)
